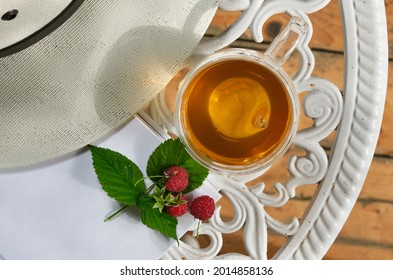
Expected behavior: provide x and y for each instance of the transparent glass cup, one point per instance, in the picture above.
(237, 110)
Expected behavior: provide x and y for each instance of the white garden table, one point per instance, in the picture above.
(355, 114)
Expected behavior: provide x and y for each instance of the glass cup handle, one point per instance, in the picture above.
(286, 41)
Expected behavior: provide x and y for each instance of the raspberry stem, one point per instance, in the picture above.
(197, 231)
(143, 178)
(115, 213)
(148, 190)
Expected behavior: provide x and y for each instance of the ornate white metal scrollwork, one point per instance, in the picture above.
(340, 176)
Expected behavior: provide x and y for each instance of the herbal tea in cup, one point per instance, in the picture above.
(237, 110)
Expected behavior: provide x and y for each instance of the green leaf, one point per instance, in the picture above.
(196, 174)
(154, 219)
(173, 153)
(120, 177)
(169, 153)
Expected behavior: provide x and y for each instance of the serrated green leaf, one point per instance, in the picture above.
(118, 175)
(173, 153)
(154, 219)
(196, 174)
(169, 153)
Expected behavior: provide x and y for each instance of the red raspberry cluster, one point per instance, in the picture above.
(201, 207)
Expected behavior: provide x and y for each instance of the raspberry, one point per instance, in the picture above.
(178, 210)
(177, 179)
(202, 207)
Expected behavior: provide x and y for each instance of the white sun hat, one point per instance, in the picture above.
(74, 71)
